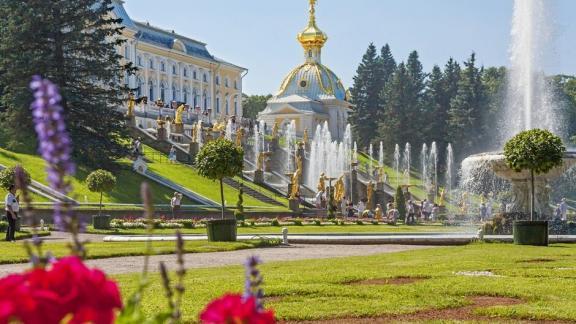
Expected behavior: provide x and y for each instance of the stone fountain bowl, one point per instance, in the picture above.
(497, 163)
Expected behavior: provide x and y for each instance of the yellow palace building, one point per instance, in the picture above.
(311, 94)
(172, 67)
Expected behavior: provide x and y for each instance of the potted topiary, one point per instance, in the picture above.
(101, 181)
(7, 178)
(217, 160)
(538, 151)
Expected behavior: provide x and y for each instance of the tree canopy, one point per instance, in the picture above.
(535, 150)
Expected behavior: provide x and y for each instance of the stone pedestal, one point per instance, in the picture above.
(294, 205)
(161, 134)
(380, 198)
(380, 186)
(131, 120)
(259, 177)
(355, 186)
(193, 150)
(178, 128)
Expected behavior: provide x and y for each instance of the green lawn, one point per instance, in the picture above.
(189, 178)
(15, 253)
(319, 289)
(293, 229)
(127, 190)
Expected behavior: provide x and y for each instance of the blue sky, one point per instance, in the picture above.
(261, 34)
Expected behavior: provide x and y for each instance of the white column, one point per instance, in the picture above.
(157, 66)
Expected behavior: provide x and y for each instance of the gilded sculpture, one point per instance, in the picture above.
(339, 189)
(370, 193)
(275, 129)
(179, 112)
(131, 104)
(322, 182)
(239, 136)
(295, 181)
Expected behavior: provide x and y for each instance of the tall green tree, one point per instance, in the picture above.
(76, 45)
(252, 105)
(465, 129)
(394, 127)
(365, 96)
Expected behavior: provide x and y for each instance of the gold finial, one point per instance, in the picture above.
(312, 36)
(312, 13)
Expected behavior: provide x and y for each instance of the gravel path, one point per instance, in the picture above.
(217, 259)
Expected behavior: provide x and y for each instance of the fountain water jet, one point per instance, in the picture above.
(406, 158)
(397, 163)
(424, 165)
(370, 164)
(381, 155)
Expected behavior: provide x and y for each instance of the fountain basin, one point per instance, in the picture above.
(476, 166)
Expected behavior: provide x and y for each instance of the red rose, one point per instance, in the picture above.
(67, 288)
(232, 308)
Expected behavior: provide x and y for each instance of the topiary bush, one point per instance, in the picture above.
(101, 181)
(239, 212)
(400, 203)
(220, 159)
(7, 177)
(536, 150)
(275, 222)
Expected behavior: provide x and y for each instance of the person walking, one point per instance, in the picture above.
(172, 155)
(175, 203)
(483, 212)
(12, 208)
(410, 210)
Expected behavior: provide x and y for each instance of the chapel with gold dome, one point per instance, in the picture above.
(311, 93)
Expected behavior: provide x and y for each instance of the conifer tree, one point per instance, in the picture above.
(466, 109)
(365, 97)
(75, 44)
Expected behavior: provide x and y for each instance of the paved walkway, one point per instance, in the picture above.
(217, 259)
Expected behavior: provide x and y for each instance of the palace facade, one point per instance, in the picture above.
(172, 67)
(311, 94)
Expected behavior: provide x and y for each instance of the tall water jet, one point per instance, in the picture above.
(424, 166)
(433, 168)
(229, 132)
(256, 147)
(355, 153)
(529, 100)
(370, 164)
(397, 163)
(381, 155)
(290, 141)
(406, 159)
(449, 169)
(327, 156)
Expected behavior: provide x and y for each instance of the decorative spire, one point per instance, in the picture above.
(312, 37)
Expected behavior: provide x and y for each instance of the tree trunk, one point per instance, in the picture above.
(100, 210)
(532, 195)
(222, 196)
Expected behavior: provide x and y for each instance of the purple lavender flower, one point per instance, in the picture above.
(54, 143)
(254, 281)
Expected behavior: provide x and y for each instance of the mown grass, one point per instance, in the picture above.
(15, 253)
(189, 178)
(318, 289)
(127, 189)
(293, 229)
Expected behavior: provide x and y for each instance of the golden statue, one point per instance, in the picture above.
(239, 136)
(442, 197)
(295, 188)
(179, 112)
(260, 163)
(464, 203)
(305, 137)
(322, 182)
(131, 104)
(194, 133)
(275, 130)
(219, 127)
(299, 163)
(381, 174)
(339, 189)
(370, 193)
(378, 212)
(160, 122)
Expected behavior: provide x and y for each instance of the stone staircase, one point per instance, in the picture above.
(251, 192)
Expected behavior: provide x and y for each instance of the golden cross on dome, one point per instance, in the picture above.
(312, 10)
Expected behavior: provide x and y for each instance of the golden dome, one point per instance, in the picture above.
(312, 36)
